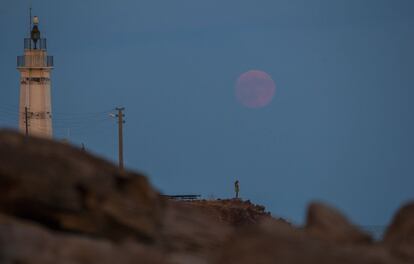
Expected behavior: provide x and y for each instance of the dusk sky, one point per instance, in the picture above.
(339, 129)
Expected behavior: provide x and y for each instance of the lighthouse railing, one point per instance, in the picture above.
(35, 61)
(29, 44)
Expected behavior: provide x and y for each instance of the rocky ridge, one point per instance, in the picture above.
(59, 204)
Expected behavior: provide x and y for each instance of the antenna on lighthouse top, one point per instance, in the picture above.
(30, 17)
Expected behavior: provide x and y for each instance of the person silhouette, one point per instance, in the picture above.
(236, 188)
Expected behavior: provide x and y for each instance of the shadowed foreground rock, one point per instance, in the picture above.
(24, 242)
(61, 205)
(276, 242)
(53, 195)
(328, 224)
(191, 234)
(400, 234)
(66, 189)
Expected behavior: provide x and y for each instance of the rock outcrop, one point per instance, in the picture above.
(234, 212)
(59, 204)
(65, 189)
(24, 242)
(276, 242)
(191, 235)
(400, 234)
(327, 223)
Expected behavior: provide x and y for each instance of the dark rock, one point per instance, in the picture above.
(400, 234)
(326, 223)
(66, 189)
(234, 212)
(276, 242)
(22, 242)
(75, 208)
(59, 204)
(191, 234)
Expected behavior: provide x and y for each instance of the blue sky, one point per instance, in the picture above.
(338, 130)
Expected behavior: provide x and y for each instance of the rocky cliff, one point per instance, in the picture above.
(59, 204)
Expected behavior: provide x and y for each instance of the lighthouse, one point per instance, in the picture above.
(35, 66)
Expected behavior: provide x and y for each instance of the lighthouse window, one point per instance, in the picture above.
(39, 115)
(35, 79)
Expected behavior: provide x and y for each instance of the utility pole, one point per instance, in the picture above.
(121, 121)
(26, 120)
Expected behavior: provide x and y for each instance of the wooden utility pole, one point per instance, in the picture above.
(121, 121)
(26, 120)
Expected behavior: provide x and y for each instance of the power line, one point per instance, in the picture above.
(83, 113)
(79, 125)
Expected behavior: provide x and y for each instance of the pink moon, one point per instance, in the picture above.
(255, 89)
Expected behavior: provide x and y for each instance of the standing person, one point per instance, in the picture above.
(236, 188)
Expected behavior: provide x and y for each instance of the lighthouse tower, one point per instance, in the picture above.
(35, 66)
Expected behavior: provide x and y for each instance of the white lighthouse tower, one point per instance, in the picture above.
(35, 66)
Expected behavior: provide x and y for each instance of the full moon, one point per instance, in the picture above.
(255, 89)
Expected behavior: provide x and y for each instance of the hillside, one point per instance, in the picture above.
(59, 204)
(234, 212)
